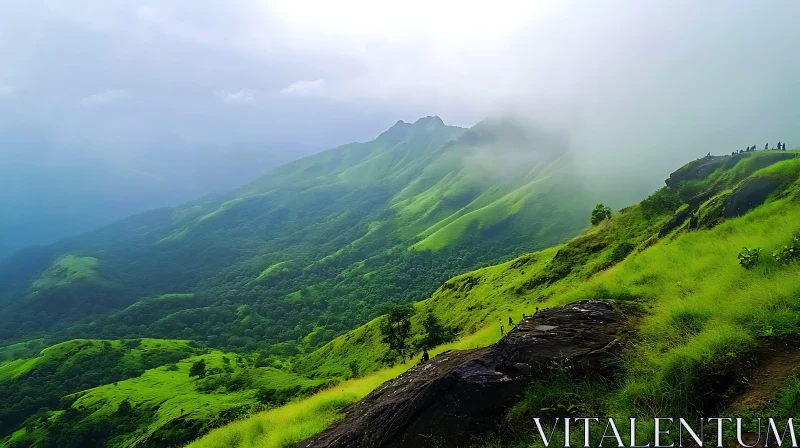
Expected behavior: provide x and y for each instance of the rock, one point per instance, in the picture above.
(702, 168)
(696, 170)
(459, 395)
(752, 193)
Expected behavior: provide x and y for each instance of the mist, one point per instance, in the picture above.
(141, 104)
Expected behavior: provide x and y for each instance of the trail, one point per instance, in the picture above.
(778, 358)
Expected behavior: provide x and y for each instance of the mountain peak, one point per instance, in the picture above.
(431, 120)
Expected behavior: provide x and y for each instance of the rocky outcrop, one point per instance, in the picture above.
(696, 170)
(752, 193)
(702, 168)
(459, 395)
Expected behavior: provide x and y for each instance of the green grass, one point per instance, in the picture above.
(66, 270)
(72, 352)
(272, 269)
(27, 349)
(296, 421)
(706, 309)
(172, 396)
(166, 392)
(702, 310)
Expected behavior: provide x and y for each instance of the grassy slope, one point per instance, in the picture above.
(321, 224)
(55, 369)
(66, 270)
(705, 307)
(167, 392)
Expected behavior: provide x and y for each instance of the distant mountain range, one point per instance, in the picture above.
(312, 248)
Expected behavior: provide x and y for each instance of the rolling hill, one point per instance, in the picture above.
(707, 315)
(311, 249)
(673, 256)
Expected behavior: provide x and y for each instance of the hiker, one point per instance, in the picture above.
(766, 146)
(502, 331)
(523, 316)
(537, 310)
(779, 146)
(425, 356)
(510, 321)
(709, 154)
(784, 146)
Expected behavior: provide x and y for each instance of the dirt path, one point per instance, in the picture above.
(778, 359)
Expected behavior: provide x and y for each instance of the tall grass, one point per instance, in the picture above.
(298, 420)
(703, 310)
(706, 307)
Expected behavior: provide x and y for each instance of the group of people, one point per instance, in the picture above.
(511, 322)
(425, 357)
(779, 147)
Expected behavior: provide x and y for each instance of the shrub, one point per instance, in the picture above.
(600, 214)
(435, 333)
(355, 371)
(396, 328)
(198, 369)
(662, 202)
(621, 251)
(788, 253)
(748, 258)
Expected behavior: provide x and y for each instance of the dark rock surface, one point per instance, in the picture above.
(698, 169)
(459, 395)
(752, 193)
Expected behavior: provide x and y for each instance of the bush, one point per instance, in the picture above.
(434, 333)
(748, 258)
(600, 214)
(277, 397)
(198, 369)
(788, 253)
(621, 251)
(662, 202)
(355, 370)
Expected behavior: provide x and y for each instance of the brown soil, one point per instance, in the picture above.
(778, 358)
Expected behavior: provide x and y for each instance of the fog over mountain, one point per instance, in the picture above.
(113, 107)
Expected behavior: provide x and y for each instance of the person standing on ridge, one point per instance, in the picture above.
(425, 356)
(510, 321)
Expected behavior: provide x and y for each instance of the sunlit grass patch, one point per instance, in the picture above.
(298, 420)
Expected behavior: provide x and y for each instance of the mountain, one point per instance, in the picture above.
(709, 328)
(311, 249)
(702, 275)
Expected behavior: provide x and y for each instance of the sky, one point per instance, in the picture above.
(188, 97)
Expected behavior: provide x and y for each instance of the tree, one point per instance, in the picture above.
(435, 332)
(198, 369)
(396, 328)
(600, 214)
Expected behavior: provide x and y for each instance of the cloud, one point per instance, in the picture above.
(244, 96)
(7, 90)
(107, 97)
(305, 88)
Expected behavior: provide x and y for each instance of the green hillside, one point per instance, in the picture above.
(704, 309)
(310, 250)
